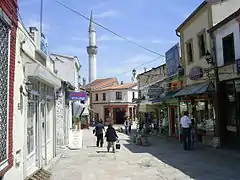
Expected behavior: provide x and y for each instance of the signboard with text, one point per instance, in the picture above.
(44, 45)
(81, 96)
(172, 60)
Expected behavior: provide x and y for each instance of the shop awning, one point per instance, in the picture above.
(196, 89)
(40, 72)
(167, 96)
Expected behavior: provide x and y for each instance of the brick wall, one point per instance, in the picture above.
(10, 9)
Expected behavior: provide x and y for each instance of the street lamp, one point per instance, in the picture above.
(134, 72)
(209, 58)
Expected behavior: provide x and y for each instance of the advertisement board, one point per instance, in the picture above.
(172, 60)
(44, 45)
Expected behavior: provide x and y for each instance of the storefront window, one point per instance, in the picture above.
(205, 115)
(231, 112)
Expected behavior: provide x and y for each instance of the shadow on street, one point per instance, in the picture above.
(200, 164)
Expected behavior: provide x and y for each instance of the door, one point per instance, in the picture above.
(173, 120)
(43, 135)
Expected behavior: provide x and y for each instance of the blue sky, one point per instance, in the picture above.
(151, 23)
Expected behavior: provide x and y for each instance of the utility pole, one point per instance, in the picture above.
(41, 17)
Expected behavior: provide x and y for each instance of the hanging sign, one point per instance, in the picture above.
(196, 73)
(82, 96)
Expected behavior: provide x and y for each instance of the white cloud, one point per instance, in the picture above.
(80, 39)
(69, 50)
(106, 14)
(36, 23)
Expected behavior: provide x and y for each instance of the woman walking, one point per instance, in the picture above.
(111, 137)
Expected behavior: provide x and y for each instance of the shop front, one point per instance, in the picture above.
(115, 114)
(230, 113)
(198, 101)
(40, 110)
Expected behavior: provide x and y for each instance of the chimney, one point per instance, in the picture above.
(121, 82)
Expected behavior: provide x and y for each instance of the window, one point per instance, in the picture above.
(228, 49)
(189, 52)
(104, 96)
(119, 95)
(201, 44)
(4, 57)
(96, 97)
(133, 95)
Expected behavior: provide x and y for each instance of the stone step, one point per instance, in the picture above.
(41, 174)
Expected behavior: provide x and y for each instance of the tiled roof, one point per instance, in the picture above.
(119, 86)
(101, 83)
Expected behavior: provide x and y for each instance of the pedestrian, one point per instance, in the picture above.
(126, 124)
(129, 126)
(186, 131)
(99, 128)
(111, 137)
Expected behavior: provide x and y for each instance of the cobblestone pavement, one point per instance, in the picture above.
(163, 160)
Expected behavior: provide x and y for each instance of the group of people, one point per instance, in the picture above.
(128, 126)
(110, 134)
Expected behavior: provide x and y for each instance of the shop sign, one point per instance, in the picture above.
(196, 73)
(172, 60)
(82, 96)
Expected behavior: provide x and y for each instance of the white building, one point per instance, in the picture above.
(113, 103)
(67, 68)
(34, 107)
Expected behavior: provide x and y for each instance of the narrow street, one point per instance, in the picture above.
(164, 160)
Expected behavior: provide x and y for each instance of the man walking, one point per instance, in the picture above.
(99, 133)
(186, 131)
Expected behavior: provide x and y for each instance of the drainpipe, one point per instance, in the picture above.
(54, 127)
(64, 114)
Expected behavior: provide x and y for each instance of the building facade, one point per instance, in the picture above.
(199, 96)
(68, 69)
(8, 28)
(112, 104)
(225, 35)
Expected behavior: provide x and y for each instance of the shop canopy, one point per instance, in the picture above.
(166, 97)
(196, 89)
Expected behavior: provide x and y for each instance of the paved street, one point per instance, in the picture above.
(164, 160)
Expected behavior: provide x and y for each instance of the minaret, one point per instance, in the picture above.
(92, 51)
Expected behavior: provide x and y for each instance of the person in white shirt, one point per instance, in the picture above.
(186, 133)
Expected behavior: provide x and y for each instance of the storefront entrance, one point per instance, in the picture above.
(118, 115)
(173, 121)
(231, 113)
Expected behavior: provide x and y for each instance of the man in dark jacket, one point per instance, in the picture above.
(99, 133)
(111, 136)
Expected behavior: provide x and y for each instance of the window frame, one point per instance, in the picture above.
(234, 60)
(202, 33)
(96, 97)
(104, 96)
(118, 95)
(189, 42)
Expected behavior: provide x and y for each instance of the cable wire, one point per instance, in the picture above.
(107, 29)
(139, 66)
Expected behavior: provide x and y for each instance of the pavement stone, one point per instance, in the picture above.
(163, 160)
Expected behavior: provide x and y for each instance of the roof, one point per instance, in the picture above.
(152, 69)
(101, 83)
(225, 21)
(203, 4)
(64, 56)
(119, 86)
